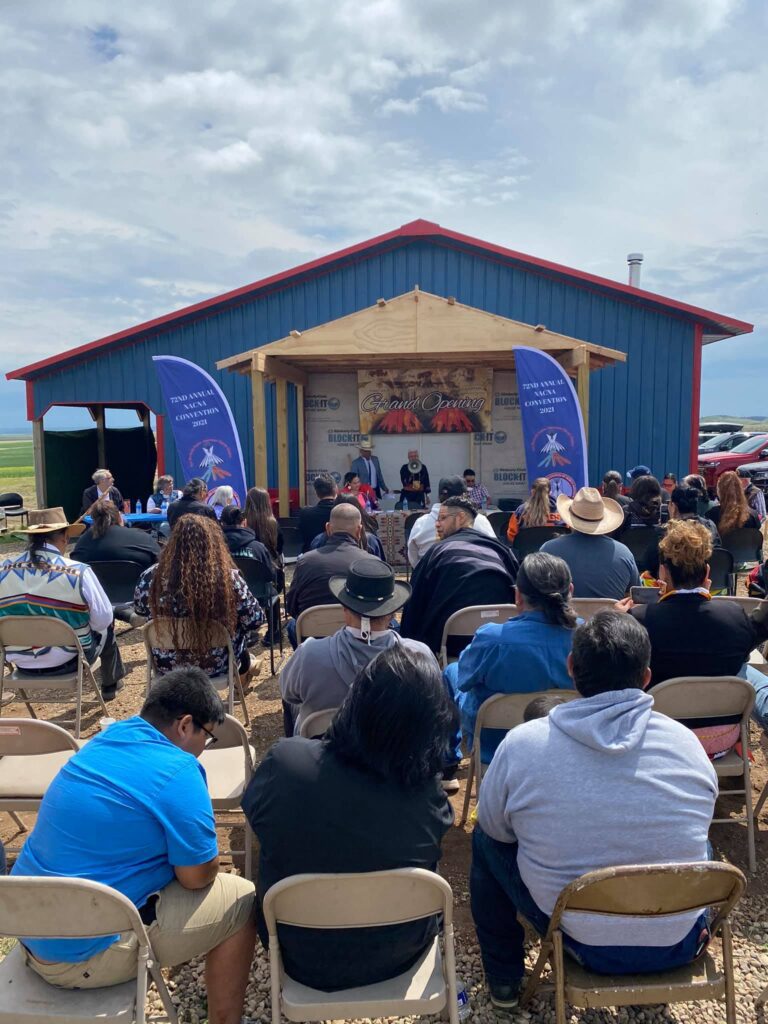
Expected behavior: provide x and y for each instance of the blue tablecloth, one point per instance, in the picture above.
(137, 517)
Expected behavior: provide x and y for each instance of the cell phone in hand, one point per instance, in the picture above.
(645, 595)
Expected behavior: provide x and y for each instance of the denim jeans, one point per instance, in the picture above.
(760, 683)
(497, 892)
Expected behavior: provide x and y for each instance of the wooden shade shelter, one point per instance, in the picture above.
(412, 330)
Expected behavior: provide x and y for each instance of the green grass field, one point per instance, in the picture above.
(17, 471)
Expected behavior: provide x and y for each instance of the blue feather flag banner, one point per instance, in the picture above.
(203, 426)
(553, 427)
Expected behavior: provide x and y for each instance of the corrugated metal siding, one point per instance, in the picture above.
(639, 412)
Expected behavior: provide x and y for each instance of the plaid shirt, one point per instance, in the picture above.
(477, 495)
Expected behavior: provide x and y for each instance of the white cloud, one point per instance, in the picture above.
(449, 97)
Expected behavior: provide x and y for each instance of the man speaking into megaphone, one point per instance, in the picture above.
(414, 477)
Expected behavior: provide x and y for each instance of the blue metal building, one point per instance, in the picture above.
(645, 410)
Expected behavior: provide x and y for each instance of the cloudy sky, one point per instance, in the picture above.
(153, 156)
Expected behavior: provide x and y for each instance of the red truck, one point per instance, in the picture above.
(712, 467)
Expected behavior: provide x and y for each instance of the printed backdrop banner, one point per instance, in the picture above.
(553, 428)
(417, 401)
(202, 423)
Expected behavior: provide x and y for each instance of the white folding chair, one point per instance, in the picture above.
(228, 767)
(71, 908)
(463, 624)
(317, 723)
(27, 631)
(31, 754)
(501, 711)
(586, 607)
(364, 900)
(319, 621)
(158, 635)
(717, 697)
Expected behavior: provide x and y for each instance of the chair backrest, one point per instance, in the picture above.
(319, 620)
(118, 579)
(463, 624)
(66, 908)
(158, 635)
(720, 569)
(506, 710)
(744, 543)
(509, 504)
(638, 539)
(256, 574)
(19, 736)
(359, 900)
(11, 499)
(531, 538)
(36, 631)
(586, 607)
(499, 521)
(292, 541)
(690, 697)
(410, 519)
(317, 723)
(749, 604)
(652, 890)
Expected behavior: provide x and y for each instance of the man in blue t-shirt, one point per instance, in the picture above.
(132, 810)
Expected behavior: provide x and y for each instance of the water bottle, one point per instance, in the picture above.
(138, 506)
(164, 507)
(484, 504)
(462, 998)
(405, 504)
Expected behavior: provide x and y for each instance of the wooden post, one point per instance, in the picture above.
(301, 430)
(283, 478)
(38, 449)
(101, 447)
(582, 389)
(259, 428)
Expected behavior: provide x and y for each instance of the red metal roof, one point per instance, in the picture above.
(712, 322)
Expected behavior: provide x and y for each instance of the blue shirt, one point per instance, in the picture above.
(525, 654)
(600, 566)
(123, 811)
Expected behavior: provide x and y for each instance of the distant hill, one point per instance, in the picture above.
(750, 422)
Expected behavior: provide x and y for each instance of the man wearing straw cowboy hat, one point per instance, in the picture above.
(43, 581)
(368, 467)
(600, 566)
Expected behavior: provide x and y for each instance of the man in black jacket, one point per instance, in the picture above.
(463, 569)
(192, 501)
(334, 558)
(313, 518)
(103, 487)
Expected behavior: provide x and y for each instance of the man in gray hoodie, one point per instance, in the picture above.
(601, 782)
(321, 671)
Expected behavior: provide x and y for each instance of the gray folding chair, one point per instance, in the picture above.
(71, 908)
(586, 607)
(25, 631)
(463, 624)
(318, 621)
(501, 711)
(228, 767)
(642, 890)
(364, 900)
(317, 723)
(158, 635)
(717, 697)
(31, 755)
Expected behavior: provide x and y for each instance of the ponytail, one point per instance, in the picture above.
(545, 583)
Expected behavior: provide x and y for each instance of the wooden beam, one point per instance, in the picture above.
(582, 390)
(275, 368)
(574, 358)
(101, 448)
(38, 449)
(302, 432)
(283, 479)
(259, 415)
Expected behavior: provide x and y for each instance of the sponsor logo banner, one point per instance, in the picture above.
(413, 401)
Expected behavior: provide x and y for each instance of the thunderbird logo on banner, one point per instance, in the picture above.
(553, 427)
(203, 428)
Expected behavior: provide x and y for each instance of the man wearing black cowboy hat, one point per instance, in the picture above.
(321, 671)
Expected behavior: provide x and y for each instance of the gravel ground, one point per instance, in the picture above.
(187, 983)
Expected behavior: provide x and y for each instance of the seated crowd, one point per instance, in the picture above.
(380, 775)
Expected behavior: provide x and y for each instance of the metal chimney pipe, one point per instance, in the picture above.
(635, 261)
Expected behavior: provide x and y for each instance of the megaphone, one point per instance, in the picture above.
(414, 466)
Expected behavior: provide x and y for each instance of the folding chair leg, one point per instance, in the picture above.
(241, 693)
(25, 698)
(162, 991)
(559, 979)
(534, 978)
(730, 993)
(468, 792)
(761, 800)
(97, 689)
(748, 805)
(248, 851)
(20, 824)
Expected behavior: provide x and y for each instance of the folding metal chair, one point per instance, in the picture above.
(318, 621)
(365, 900)
(263, 589)
(530, 539)
(586, 607)
(463, 624)
(648, 890)
(228, 767)
(317, 723)
(119, 579)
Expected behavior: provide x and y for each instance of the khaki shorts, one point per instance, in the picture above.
(190, 922)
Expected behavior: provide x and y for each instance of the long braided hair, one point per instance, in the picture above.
(545, 582)
(193, 581)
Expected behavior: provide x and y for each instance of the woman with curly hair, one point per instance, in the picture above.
(691, 633)
(733, 510)
(196, 579)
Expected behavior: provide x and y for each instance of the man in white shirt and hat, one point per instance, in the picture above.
(368, 468)
(44, 582)
(600, 566)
